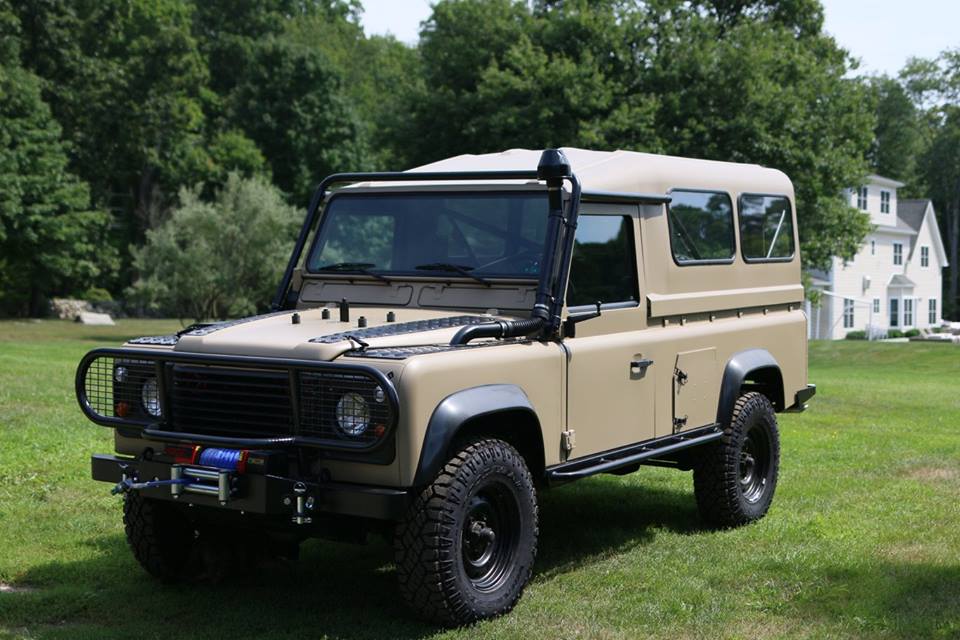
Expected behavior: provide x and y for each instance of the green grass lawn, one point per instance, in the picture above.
(863, 540)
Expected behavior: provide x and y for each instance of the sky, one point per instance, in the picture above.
(882, 34)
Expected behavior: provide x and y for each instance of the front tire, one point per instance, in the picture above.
(161, 538)
(735, 483)
(466, 547)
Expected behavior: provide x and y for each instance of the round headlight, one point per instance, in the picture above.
(150, 396)
(353, 414)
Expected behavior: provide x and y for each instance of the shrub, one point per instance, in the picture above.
(856, 335)
(96, 294)
(911, 333)
(219, 259)
(894, 333)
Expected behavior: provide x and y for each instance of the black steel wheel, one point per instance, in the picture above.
(735, 480)
(466, 548)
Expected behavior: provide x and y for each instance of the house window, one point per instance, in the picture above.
(876, 305)
(873, 247)
(862, 198)
(884, 202)
(894, 312)
(908, 312)
(924, 256)
(897, 253)
(932, 311)
(847, 313)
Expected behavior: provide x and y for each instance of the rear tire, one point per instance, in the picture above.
(466, 547)
(735, 482)
(160, 537)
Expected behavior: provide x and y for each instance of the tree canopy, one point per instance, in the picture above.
(133, 101)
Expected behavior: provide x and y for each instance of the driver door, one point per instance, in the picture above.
(610, 391)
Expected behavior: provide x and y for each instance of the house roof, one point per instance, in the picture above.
(911, 215)
(883, 182)
(898, 280)
(911, 212)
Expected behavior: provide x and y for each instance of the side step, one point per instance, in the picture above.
(614, 459)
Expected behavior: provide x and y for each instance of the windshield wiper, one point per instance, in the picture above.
(456, 268)
(356, 267)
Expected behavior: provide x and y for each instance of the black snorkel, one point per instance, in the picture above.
(553, 169)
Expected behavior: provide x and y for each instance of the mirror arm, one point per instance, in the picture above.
(570, 324)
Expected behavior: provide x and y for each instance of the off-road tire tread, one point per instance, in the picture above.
(423, 538)
(716, 478)
(154, 537)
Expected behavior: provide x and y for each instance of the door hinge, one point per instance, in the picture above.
(679, 423)
(681, 376)
(568, 440)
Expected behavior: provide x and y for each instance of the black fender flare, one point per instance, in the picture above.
(738, 369)
(455, 411)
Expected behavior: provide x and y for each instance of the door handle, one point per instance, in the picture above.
(641, 364)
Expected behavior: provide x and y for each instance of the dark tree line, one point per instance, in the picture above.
(117, 114)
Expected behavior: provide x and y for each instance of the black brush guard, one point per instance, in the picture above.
(295, 372)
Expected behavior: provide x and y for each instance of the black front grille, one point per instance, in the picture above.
(230, 401)
(314, 404)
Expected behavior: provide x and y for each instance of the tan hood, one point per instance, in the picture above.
(313, 338)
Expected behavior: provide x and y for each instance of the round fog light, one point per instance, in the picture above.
(378, 394)
(120, 374)
(353, 414)
(150, 397)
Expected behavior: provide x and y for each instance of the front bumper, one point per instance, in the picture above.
(268, 495)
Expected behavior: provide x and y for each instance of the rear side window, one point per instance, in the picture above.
(766, 227)
(603, 267)
(701, 227)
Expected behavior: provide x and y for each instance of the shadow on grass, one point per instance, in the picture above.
(889, 598)
(342, 591)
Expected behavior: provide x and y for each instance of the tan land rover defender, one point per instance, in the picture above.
(448, 341)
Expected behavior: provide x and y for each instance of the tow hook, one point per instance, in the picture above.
(304, 504)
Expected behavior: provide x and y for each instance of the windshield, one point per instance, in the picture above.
(464, 234)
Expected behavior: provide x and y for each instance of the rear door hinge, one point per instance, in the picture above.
(568, 440)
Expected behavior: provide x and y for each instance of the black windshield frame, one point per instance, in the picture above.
(534, 248)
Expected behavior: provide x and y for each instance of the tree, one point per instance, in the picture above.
(897, 137)
(126, 82)
(934, 86)
(745, 81)
(292, 104)
(51, 240)
(217, 259)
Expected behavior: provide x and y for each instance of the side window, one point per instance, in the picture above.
(603, 267)
(701, 226)
(766, 227)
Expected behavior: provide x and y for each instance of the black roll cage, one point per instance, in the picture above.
(561, 228)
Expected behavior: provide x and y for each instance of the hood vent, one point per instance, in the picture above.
(402, 328)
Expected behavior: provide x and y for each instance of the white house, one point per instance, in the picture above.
(895, 280)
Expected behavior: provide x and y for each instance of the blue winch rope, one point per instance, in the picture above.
(129, 484)
(220, 458)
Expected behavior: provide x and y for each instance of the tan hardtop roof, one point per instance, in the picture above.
(631, 171)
